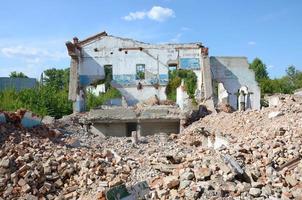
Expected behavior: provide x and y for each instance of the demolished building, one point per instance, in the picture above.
(141, 70)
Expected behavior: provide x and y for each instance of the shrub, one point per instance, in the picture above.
(175, 77)
(94, 101)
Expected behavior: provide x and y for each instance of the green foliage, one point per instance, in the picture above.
(9, 100)
(15, 74)
(41, 100)
(108, 78)
(57, 79)
(51, 98)
(140, 75)
(286, 84)
(175, 77)
(260, 69)
(95, 101)
(140, 71)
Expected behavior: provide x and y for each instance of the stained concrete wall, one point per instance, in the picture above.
(234, 72)
(119, 129)
(112, 129)
(150, 128)
(109, 50)
(133, 95)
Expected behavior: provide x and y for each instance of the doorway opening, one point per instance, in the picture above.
(130, 127)
(108, 76)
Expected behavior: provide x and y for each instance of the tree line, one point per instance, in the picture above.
(50, 96)
(287, 84)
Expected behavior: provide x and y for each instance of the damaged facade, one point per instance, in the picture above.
(141, 70)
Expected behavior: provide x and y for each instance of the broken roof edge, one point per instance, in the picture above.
(104, 33)
(230, 57)
(91, 38)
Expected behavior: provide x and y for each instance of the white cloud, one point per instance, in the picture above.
(251, 43)
(270, 67)
(156, 13)
(135, 16)
(31, 60)
(31, 53)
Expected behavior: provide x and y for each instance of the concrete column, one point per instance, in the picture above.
(207, 83)
(134, 136)
(79, 104)
(182, 125)
(73, 79)
(139, 128)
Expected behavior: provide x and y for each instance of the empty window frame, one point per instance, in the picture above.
(140, 71)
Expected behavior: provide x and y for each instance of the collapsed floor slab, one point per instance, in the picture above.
(121, 121)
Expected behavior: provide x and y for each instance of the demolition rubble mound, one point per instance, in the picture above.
(241, 155)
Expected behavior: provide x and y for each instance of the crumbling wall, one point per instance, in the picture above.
(124, 55)
(133, 95)
(234, 73)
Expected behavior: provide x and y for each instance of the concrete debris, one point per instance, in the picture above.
(223, 107)
(261, 159)
(274, 114)
(48, 120)
(29, 120)
(234, 164)
(23, 117)
(2, 118)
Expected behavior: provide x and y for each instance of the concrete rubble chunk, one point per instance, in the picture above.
(5, 162)
(170, 182)
(290, 179)
(187, 176)
(255, 192)
(26, 188)
(29, 120)
(274, 114)
(2, 118)
(233, 163)
(48, 120)
(202, 173)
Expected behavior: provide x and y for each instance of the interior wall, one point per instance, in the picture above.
(112, 129)
(234, 73)
(151, 128)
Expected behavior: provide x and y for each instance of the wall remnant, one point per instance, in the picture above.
(141, 70)
(223, 95)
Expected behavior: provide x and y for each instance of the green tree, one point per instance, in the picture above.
(260, 69)
(56, 78)
(294, 76)
(175, 77)
(15, 74)
(291, 71)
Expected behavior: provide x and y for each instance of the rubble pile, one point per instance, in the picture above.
(41, 163)
(266, 144)
(239, 155)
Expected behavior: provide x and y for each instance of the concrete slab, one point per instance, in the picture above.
(29, 120)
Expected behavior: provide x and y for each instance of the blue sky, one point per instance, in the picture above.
(33, 32)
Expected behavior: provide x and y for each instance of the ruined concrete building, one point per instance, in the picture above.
(140, 70)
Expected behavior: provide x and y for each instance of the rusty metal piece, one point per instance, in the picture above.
(291, 164)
